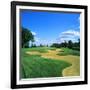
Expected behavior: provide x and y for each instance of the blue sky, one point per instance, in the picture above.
(51, 27)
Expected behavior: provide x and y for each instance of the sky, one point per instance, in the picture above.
(51, 27)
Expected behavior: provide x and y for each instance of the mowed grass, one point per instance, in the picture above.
(35, 66)
(67, 51)
(39, 49)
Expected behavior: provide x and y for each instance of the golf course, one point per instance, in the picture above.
(50, 44)
(49, 62)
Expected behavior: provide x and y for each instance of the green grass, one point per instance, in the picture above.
(39, 49)
(34, 66)
(52, 48)
(67, 51)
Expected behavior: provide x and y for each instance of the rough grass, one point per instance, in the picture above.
(67, 51)
(35, 66)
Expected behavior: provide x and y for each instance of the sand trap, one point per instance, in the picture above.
(33, 53)
(73, 70)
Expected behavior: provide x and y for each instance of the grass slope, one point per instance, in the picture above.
(67, 51)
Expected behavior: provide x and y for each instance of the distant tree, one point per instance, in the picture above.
(75, 44)
(26, 37)
(33, 45)
(55, 45)
(26, 45)
(41, 45)
(70, 44)
(79, 42)
(65, 44)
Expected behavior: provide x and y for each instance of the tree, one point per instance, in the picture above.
(34, 45)
(26, 45)
(65, 44)
(70, 44)
(26, 37)
(56, 45)
(41, 45)
(47, 45)
(79, 42)
(32, 42)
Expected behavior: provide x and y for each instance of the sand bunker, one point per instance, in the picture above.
(73, 70)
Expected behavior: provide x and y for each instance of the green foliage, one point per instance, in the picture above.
(56, 45)
(52, 49)
(26, 45)
(33, 45)
(67, 51)
(26, 37)
(41, 45)
(39, 49)
(34, 66)
(69, 44)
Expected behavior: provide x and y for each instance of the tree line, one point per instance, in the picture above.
(69, 44)
(27, 37)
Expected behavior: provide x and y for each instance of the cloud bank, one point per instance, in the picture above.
(68, 35)
(63, 36)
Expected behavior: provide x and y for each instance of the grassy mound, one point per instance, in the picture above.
(67, 51)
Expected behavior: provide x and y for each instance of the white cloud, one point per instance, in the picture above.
(71, 32)
(68, 35)
(34, 33)
(37, 39)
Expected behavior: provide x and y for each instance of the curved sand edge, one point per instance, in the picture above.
(73, 70)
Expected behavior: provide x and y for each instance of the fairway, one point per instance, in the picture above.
(49, 62)
(50, 44)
